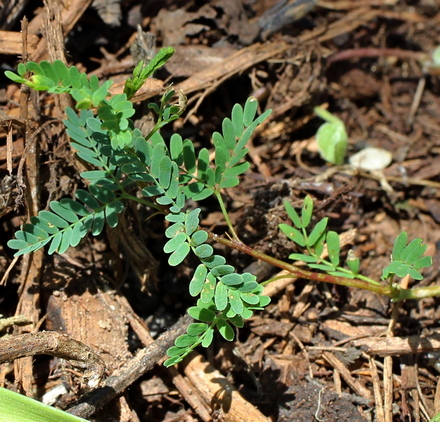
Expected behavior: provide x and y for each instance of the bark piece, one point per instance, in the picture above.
(11, 42)
(93, 317)
(143, 362)
(53, 344)
(219, 393)
(395, 346)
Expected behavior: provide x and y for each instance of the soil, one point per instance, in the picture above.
(319, 351)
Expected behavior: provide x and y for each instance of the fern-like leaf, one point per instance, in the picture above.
(69, 221)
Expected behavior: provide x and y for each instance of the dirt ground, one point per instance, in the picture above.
(319, 351)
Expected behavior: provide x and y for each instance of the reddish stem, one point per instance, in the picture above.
(395, 292)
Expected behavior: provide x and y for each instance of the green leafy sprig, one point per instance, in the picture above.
(169, 174)
(331, 137)
(405, 259)
(316, 240)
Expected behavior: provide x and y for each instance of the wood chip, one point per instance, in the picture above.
(11, 42)
(219, 393)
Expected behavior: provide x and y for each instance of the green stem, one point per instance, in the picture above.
(226, 215)
(393, 291)
(417, 293)
(341, 269)
(142, 201)
(348, 272)
(327, 278)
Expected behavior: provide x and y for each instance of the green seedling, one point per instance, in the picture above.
(169, 174)
(331, 137)
(406, 258)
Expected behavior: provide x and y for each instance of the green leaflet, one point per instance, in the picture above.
(179, 254)
(199, 237)
(185, 340)
(189, 156)
(307, 211)
(192, 221)
(317, 232)
(204, 251)
(198, 280)
(201, 314)
(236, 302)
(208, 289)
(221, 296)
(197, 328)
(141, 72)
(225, 330)
(293, 234)
(208, 338)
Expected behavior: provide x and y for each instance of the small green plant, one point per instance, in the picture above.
(331, 137)
(169, 173)
(406, 259)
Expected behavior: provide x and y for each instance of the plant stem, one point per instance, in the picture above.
(418, 293)
(142, 201)
(226, 215)
(393, 291)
